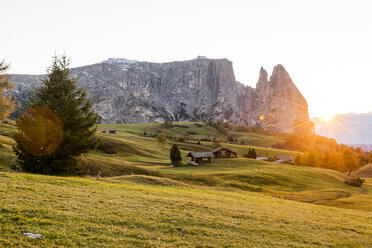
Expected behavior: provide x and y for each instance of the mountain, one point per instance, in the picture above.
(202, 89)
(354, 129)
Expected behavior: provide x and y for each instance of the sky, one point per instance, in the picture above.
(326, 46)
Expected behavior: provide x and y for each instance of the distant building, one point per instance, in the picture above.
(286, 159)
(224, 152)
(200, 157)
(103, 130)
(112, 131)
(262, 158)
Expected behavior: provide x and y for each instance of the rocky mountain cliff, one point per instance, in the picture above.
(127, 91)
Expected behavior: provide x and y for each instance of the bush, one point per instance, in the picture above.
(354, 181)
(106, 147)
(167, 125)
(162, 139)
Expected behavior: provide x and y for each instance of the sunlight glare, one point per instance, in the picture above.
(327, 117)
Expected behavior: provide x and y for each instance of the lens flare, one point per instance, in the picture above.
(40, 131)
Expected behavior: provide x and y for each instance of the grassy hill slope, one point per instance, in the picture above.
(107, 212)
(142, 201)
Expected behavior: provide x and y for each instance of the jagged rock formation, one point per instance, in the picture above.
(127, 91)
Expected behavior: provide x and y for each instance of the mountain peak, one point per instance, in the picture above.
(119, 61)
(201, 57)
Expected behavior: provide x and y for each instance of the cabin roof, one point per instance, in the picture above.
(200, 154)
(229, 148)
(284, 158)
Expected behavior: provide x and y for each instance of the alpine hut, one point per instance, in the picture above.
(224, 152)
(200, 157)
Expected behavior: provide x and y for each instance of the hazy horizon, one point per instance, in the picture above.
(325, 47)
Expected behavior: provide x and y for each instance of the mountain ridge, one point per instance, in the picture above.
(201, 89)
(351, 128)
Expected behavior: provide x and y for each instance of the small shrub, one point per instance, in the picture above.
(354, 181)
(92, 168)
(191, 133)
(162, 139)
(167, 125)
(106, 147)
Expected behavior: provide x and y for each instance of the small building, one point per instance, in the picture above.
(284, 159)
(112, 131)
(103, 130)
(224, 152)
(200, 157)
(262, 158)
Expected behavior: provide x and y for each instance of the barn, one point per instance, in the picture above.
(225, 152)
(200, 157)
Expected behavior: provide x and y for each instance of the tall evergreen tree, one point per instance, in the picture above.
(253, 153)
(6, 103)
(58, 126)
(175, 155)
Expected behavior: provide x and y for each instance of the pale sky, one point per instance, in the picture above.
(326, 46)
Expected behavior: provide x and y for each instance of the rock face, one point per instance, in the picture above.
(278, 101)
(127, 91)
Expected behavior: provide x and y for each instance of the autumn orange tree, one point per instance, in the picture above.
(6, 88)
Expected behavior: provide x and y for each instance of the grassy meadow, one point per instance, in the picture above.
(140, 200)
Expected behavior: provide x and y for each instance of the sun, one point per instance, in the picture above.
(327, 117)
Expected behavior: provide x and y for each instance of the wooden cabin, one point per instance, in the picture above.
(200, 157)
(284, 159)
(224, 152)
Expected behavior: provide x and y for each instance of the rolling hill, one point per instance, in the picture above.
(140, 200)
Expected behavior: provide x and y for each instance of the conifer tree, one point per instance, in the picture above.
(253, 153)
(249, 153)
(6, 102)
(58, 126)
(175, 155)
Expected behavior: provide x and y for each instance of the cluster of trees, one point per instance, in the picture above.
(324, 152)
(251, 153)
(345, 161)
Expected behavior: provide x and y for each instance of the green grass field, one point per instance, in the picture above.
(142, 201)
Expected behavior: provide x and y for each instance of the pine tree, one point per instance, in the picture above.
(6, 88)
(175, 155)
(253, 153)
(58, 126)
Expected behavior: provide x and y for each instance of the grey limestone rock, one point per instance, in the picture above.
(202, 89)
